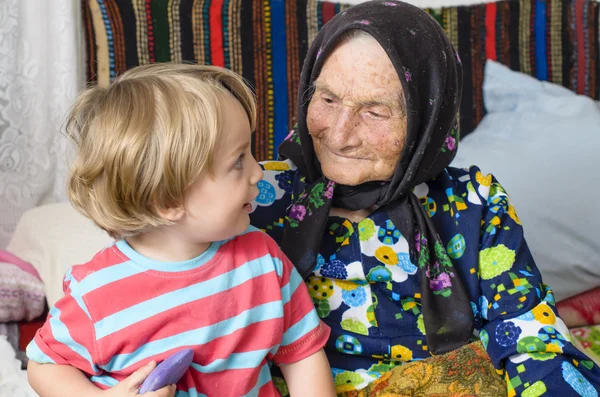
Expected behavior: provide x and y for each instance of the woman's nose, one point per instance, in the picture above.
(343, 133)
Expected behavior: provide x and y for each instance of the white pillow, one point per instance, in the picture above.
(542, 142)
(53, 238)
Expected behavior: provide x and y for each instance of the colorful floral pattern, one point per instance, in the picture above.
(494, 261)
(577, 381)
(367, 289)
(366, 229)
(507, 334)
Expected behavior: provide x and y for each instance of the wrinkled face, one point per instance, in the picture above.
(355, 116)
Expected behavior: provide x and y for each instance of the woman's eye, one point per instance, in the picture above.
(327, 100)
(377, 115)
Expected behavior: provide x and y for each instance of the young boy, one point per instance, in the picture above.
(164, 166)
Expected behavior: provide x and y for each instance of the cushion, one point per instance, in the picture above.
(582, 309)
(53, 238)
(541, 141)
(21, 290)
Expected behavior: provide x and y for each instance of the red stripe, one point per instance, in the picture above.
(256, 336)
(306, 346)
(328, 11)
(144, 286)
(217, 55)
(490, 31)
(239, 382)
(79, 330)
(580, 47)
(268, 390)
(299, 305)
(193, 315)
(103, 259)
(229, 383)
(150, 30)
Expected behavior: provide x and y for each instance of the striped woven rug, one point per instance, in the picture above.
(266, 42)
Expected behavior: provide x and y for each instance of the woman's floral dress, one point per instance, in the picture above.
(367, 290)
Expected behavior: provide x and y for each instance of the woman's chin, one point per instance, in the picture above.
(344, 178)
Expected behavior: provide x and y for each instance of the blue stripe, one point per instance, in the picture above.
(280, 83)
(34, 353)
(106, 276)
(244, 360)
(206, 31)
(288, 290)
(170, 300)
(225, 29)
(147, 263)
(105, 380)
(540, 41)
(109, 38)
(301, 328)
(264, 377)
(61, 334)
(190, 393)
(75, 293)
(199, 336)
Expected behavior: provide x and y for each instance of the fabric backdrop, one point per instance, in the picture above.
(266, 41)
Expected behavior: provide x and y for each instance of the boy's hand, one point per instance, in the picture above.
(130, 386)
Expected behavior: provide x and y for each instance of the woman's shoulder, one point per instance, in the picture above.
(275, 194)
(460, 189)
(469, 183)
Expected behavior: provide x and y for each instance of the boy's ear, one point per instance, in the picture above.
(172, 213)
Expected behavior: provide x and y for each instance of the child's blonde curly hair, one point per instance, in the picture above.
(144, 139)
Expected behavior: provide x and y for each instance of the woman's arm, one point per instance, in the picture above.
(51, 380)
(526, 339)
(314, 368)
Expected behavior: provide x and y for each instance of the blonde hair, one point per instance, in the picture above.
(143, 140)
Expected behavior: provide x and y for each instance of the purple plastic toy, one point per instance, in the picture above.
(168, 372)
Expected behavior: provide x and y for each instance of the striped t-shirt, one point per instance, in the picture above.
(239, 306)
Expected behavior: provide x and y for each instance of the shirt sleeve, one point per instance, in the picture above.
(276, 191)
(525, 338)
(67, 336)
(304, 333)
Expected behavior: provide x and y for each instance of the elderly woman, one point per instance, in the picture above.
(405, 257)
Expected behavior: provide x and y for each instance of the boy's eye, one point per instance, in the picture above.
(239, 164)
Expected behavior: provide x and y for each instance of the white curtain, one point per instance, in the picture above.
(41, 71)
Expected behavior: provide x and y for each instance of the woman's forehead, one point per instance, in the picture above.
(360, 68)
